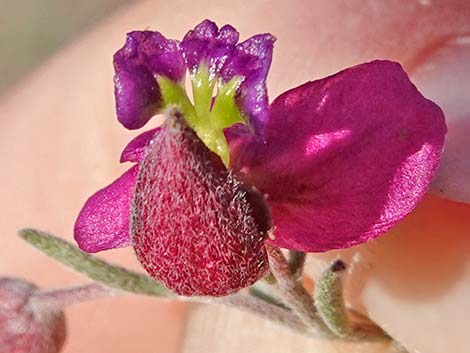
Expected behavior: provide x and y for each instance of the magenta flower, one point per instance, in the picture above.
(329, 164)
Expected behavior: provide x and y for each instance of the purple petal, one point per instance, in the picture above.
(137, 96)
(134, 151)
(345, 158)
(206, 44)
(144, 55)
(252, 60)
(103, 222)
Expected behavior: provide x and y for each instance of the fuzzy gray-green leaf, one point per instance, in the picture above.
(98, 270)
(329, 300)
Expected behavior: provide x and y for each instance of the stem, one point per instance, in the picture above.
(267, 311)
(265, 296)
(60, 298)
(293, 293)
(296, 263)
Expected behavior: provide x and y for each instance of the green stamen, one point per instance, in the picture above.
(225, 111)
(208, 123)
(203, 85)
(173, 94)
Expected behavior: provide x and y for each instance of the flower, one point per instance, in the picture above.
(25, 325)
(329, 164)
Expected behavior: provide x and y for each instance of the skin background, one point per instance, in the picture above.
(61, 142)
(32, 30)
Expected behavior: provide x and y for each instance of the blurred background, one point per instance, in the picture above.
(31, 30)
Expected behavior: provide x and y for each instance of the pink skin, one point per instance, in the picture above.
(332, 35)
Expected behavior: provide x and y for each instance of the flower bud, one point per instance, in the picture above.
(194, 226)
(26, 326)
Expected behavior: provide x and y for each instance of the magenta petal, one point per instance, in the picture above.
(209, 45)
(346, 157)
(251, 60)
(134, 151)
(103, 222)
(145, 55)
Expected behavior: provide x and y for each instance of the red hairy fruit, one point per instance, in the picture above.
(194, 226)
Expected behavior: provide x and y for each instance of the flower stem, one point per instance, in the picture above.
(257, 307)
(265, 310)
(265, 296)
(60, 298)
(296, 263)
(293, 293)
(297, 309)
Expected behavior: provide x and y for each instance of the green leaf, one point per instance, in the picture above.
(329, 300)
(98, 270)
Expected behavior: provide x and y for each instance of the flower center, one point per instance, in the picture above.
(209, 115)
